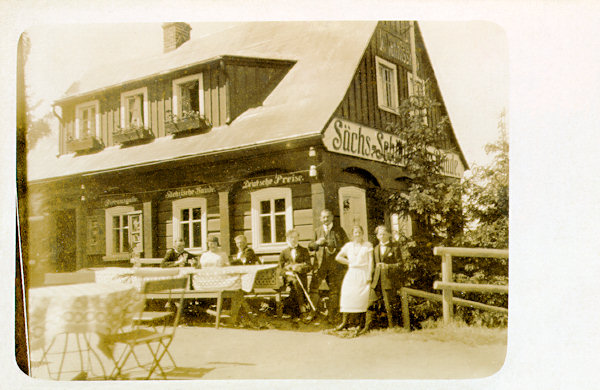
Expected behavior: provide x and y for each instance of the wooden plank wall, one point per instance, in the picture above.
(250, 85)
(360, 102)
(159, 103)
(301, 204)
(164, 235)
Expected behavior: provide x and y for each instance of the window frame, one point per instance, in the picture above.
(270, 194)
(402, 225)
(121, 211)
(381, 97)
(79, 113)
(124, 95)
(177, 92)
(188, 203)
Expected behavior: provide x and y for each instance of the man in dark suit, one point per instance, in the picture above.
(245, 254)
(295, 260)
(178, 256)
(328, 241)
(387, 276)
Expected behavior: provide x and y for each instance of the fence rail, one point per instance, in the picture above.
(448, 286)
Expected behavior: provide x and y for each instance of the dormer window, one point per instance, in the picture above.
(87, 120)
(387, 85)
(188, 95)
(134, 108)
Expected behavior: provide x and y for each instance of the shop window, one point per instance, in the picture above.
(134, 108)
(188, 95)
(416, 87)
(189, 223)
(387, 85)
(87, 120)
(123, 232)
(271, 218)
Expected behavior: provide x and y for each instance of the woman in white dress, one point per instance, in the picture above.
(213, 257)
(358, 255)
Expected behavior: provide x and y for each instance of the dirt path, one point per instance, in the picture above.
(203, 352)
(277, 354)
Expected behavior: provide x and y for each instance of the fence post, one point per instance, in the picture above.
(447, 308)
(405, 314)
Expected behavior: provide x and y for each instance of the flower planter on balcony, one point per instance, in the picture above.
(84, 144)
(131, 135)
(187, 125)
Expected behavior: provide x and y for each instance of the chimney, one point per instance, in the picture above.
(175, 34)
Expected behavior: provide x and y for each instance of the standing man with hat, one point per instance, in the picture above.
(327, 242)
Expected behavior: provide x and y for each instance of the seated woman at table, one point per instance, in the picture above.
(245, 254)
(213, 257)
(178, 256)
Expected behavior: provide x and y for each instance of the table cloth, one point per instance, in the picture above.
(101, 308)
(244, 277)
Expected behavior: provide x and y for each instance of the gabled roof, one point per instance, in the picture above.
(326, 54)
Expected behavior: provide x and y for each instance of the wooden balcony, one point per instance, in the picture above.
(84, 144)
(131, 135)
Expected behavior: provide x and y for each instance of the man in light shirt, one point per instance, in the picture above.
(245, 254)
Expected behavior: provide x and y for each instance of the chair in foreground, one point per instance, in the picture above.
(146, 332)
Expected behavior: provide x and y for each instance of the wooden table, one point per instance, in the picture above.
(232, 282)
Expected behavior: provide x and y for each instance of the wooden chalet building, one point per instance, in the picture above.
(252, 130)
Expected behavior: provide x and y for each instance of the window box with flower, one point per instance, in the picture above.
(84, 143)
(130, 134)
(187, 122)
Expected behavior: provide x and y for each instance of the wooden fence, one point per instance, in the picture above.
(448, 286)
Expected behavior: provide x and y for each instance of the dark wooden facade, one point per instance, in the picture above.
(231, 86)
(360, 102)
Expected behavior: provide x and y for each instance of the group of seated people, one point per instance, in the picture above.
(294, 261)
(368, 283)
(179, 257)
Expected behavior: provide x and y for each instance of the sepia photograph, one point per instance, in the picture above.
(288, 188)
(246, 197)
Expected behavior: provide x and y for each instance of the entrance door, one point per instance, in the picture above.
(66, 256)
(353, 209)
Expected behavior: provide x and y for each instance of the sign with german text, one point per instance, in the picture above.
(123, 201)
(352, 139)
(188, 192)
(274, 180)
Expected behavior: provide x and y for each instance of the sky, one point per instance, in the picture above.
(470, 60)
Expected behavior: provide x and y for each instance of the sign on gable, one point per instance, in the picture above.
(352, 139)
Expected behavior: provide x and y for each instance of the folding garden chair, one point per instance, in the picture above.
(66, 278)
(157, 338)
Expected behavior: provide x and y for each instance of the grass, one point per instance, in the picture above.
(453, 332)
